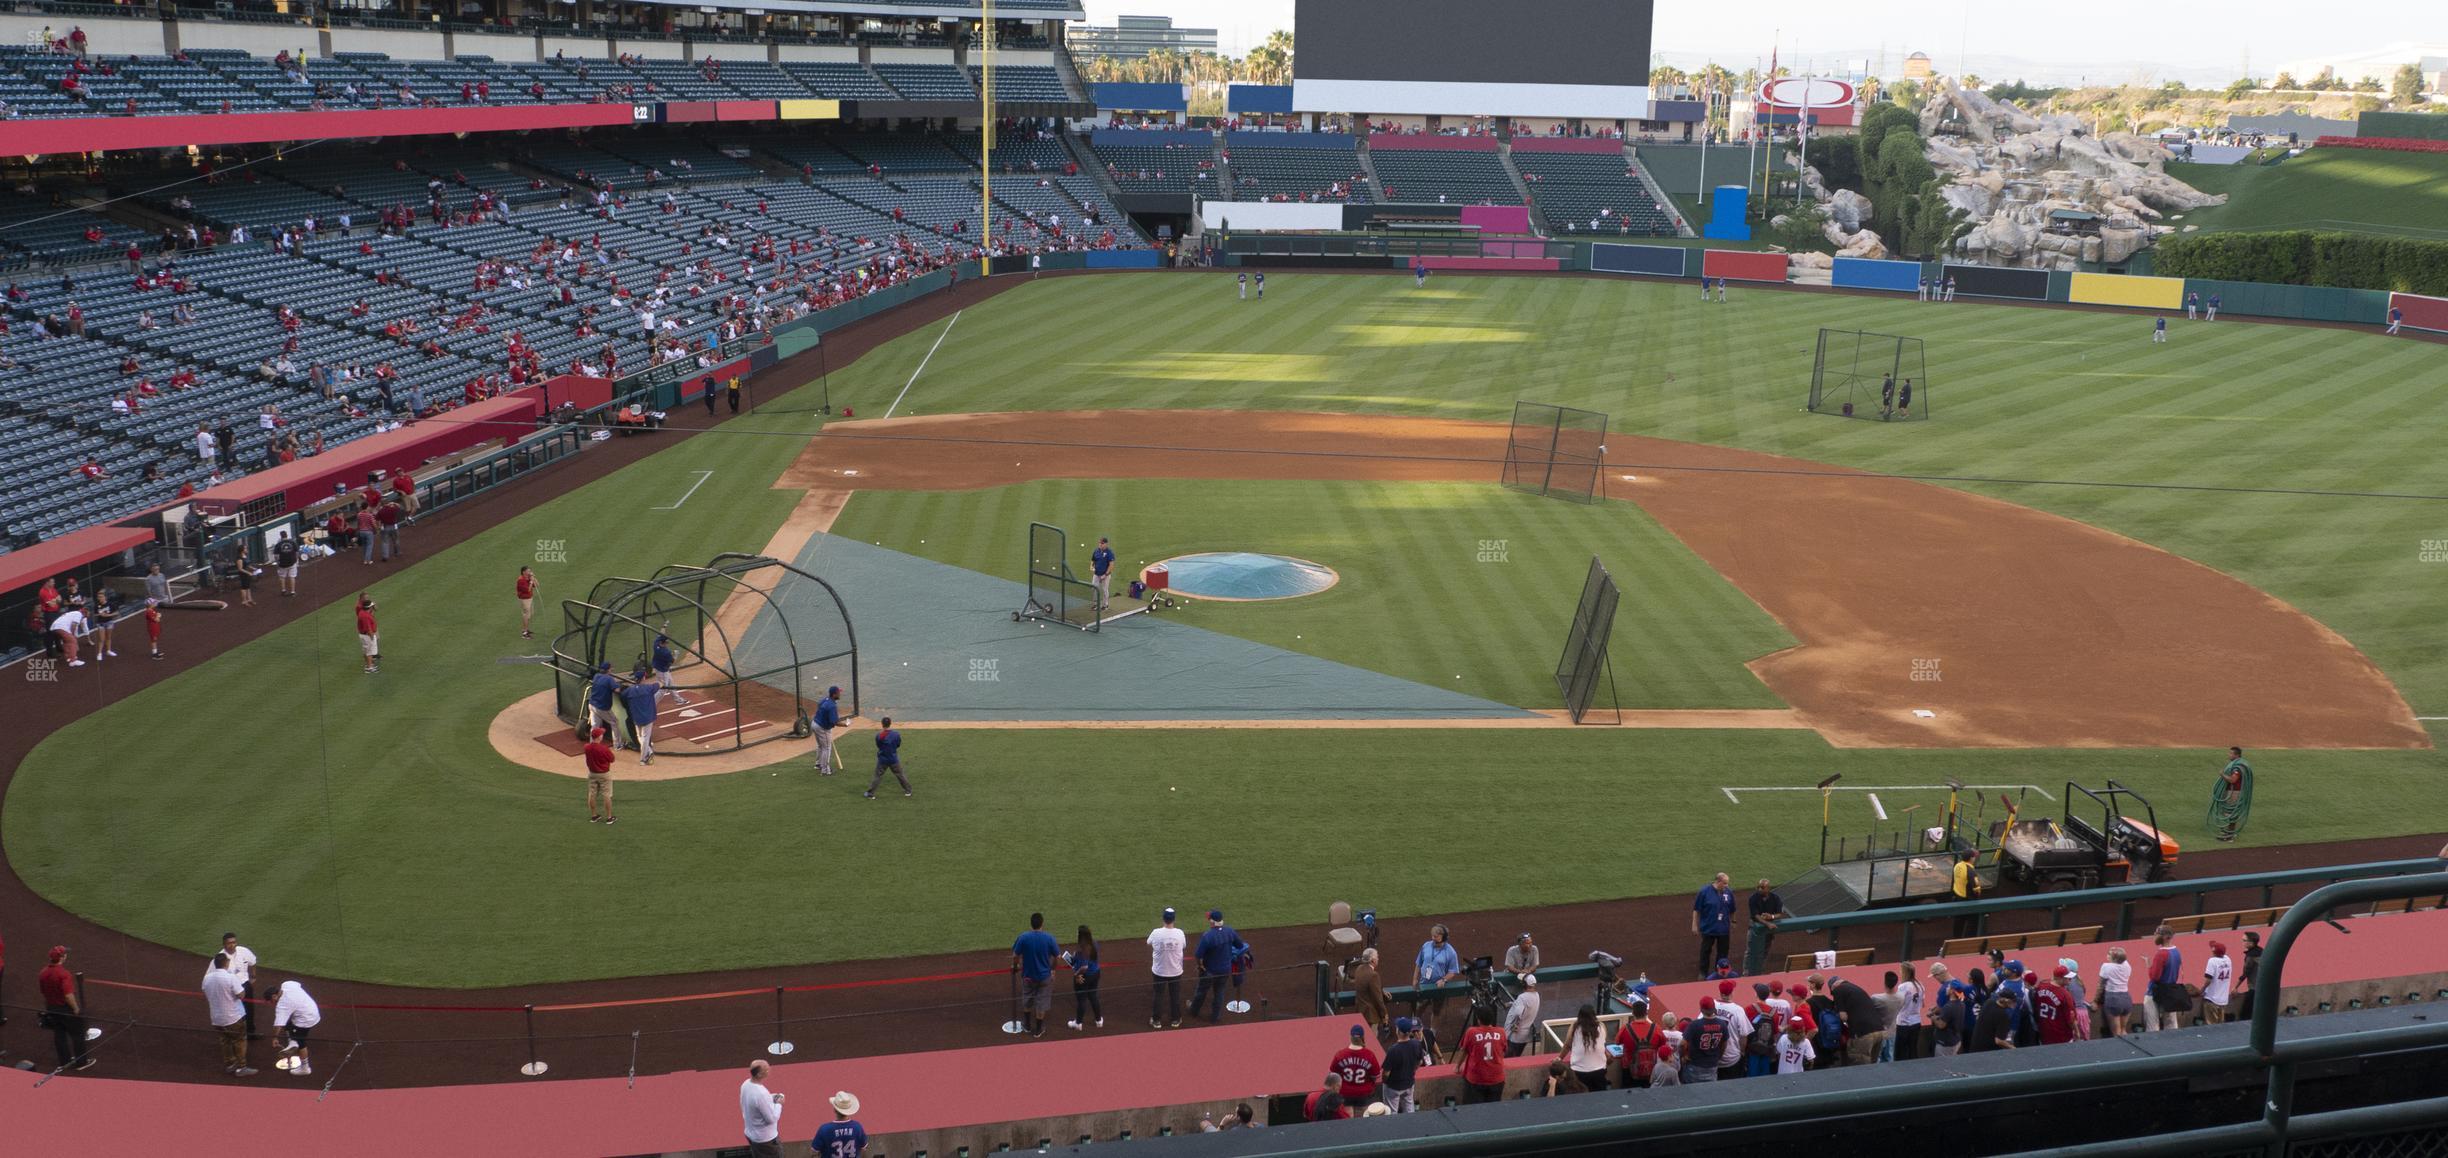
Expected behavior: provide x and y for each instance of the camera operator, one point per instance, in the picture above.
(1438, 964)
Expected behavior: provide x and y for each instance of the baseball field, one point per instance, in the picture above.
(2101, 558)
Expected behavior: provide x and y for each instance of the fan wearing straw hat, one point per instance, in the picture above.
(842, 1137)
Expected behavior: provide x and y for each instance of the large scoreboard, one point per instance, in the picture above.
(1563, 58)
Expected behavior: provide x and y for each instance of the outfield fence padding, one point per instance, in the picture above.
(2421, 313)
(2108, 289)
(1868, 273)
(1742, 265)
(1656, 260)
(1986, 281)
(2309, 302)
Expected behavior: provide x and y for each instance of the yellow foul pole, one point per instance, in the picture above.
(986, 135)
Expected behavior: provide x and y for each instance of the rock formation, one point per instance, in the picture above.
(2012, 169)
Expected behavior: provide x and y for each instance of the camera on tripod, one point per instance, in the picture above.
(1480, 972)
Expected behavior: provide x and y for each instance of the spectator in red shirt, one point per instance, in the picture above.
(64, 1009)
(367, 529)
(599, 777)
(1483, 1053)
(2053, 1006)
(1356, 1067)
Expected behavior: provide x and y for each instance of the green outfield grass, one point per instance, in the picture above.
(361, 826)
(1436, 581)
(2341, 190)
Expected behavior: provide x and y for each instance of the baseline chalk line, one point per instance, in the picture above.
(702, 476)
(922, 364)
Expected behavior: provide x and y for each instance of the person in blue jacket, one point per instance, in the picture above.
(640, 699)
(888, 759)
(600, 692)
(1216, 949)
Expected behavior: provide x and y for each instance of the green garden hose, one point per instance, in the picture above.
(2228, 810)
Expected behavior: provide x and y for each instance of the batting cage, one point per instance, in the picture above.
(1856, 374)
(753, 643)
(1556, 450)
(1585, 646)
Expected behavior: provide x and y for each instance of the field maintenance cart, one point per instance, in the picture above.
(1905, 864)
(2053, 856)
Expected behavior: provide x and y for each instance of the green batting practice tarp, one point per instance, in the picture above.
(938, 642)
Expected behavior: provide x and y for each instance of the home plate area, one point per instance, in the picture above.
(701, 724)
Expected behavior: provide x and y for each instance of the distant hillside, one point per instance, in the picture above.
(2344, 190)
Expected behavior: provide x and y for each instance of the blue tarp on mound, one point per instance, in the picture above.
(938, 642)
(1247, 575)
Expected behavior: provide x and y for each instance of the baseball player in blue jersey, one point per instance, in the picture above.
(662, 665)
(640, 698)
(888, 759)
(600, 693)
(828, 717)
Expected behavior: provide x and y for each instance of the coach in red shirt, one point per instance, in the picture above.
(63, 1010)
(367, 640)
(1483, 1054)
(599, 777)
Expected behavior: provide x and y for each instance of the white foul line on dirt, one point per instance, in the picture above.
(922, 364)
(701, 477)
(1729, 792)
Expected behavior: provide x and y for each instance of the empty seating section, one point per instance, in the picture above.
(928, 82)
(1574, 190)
(1014, 152)
(1023, 82)
(343, 294)
(228, 80)
(903, 152)
(840, 80)
(1455, 178)
(1161, 168)
(1262, 174)
(236, 82)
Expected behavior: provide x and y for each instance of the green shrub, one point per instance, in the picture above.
(2302, 257)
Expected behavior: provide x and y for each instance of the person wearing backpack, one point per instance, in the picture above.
(1640, 1039)
(1761, 1047)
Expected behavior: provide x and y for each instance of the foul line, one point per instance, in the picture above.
(1729, 792)
(922, 364)
(702, 476)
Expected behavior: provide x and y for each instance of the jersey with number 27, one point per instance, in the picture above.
(840, 1140)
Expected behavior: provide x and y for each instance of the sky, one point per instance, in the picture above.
(2099, 40)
